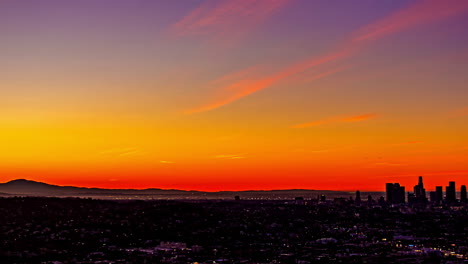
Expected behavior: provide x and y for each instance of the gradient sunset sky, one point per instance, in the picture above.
(234, 94)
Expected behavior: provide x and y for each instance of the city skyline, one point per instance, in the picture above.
(394, 192)
(234, 94)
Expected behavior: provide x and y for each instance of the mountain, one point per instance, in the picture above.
(22, 187)
(28, 187)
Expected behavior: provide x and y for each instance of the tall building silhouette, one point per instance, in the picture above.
(463, 197)
(389, 192)
(419, 191)
(450, 191)
(369, 200)
(395, 193)
(357, 201)
(419, 194)
(439, 194)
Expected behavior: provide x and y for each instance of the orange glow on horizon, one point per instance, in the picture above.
(234, 94)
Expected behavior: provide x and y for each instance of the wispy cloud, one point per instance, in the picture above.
(245, 87)
(231, 156)
(388, 164)
(166, 162)
(301, 150)
(334, 120)
(421, 12)
(359, 118)
(131, 153)
(227, 20)
(122, 152)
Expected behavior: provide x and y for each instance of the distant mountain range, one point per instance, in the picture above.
(22, 187)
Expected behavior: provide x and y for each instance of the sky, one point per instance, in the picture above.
(234, 94)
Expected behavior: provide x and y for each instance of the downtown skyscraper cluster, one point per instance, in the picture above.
(396, 194)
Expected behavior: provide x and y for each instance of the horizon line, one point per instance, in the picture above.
(192, 190)
(201, 191)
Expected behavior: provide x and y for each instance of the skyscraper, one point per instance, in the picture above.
(439, 194)
(358, 198)
(395, 193)
(463, 197)
(419, 191)
(399, 193)
(419, 195)
(389, 192)
(369, 200)
(450, 191)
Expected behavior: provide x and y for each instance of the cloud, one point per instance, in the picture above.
(122, 152)
(231, 78)
(131, 153)
(226, 20)
(301, 150)
(335, 120)
(359, 118)
(116, 150)
(166, 162)
(230, 156)
(245, 87)
(389, 164)
(421, 12)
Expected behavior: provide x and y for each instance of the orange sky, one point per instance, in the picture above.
(231, 95)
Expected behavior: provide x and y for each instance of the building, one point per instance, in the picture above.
(389, 192)
(450, 196)
(395, 193)
(357, 201)
(463, 197)
(419, 191)
(439, 194)
(419, 195)
(370, 201)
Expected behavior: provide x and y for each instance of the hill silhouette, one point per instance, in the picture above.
(23, 187)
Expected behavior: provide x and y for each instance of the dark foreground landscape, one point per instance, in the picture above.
(74, 230)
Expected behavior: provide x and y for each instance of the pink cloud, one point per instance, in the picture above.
(227, 20)
(421, 12)
(245, 87)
